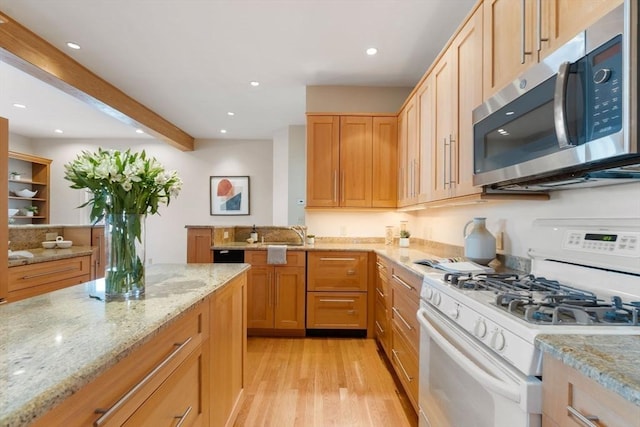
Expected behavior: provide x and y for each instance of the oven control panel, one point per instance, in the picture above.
(625, 243)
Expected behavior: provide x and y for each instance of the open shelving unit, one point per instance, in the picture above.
(35, 176)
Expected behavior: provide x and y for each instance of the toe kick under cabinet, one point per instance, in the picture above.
(337, 290)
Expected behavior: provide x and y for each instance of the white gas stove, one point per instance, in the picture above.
(585, 279)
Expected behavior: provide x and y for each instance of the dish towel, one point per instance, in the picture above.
(276, 254)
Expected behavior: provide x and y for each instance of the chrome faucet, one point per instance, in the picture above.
(300, 231)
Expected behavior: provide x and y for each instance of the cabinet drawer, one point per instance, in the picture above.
(117, 393)
(336, 310)
(294, 258)
(177, 401)
(405, 363)
(406, 282)
(403, 313)
(382, 331)
(27, 276)
(337, 271)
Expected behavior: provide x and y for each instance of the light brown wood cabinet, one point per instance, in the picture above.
(337, 290)
(119, 393)
(199, 243)
(191, 373)
(568, 395)
(341, 165)
(449, 95)
(383, 305)
(90, 236)
(518, 34)
(408, 154)
(405, 330)
(34, 279)
(276, 294)
(35, 176)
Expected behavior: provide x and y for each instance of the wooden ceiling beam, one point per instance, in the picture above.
(30, 53)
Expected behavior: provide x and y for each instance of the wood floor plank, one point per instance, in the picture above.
(320, 382)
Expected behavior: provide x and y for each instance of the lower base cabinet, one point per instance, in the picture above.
(189, 374)
(571, 399)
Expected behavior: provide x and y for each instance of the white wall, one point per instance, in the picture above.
(297, 174)
(166, 235)
(280, 176)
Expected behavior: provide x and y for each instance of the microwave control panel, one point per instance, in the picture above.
(603, 81)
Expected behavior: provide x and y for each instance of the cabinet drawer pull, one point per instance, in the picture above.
(380, 292)
(380, 328)
(182, 417)
(107, 413)
(337, 259)
(397, 312)
(589, 421)
(337, 300)
(403, 283)
(381, 266)
(46, 273)
(394, 352)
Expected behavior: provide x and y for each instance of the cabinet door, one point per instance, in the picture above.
(199, 244)
(413, 151)
(100, 261)
(563, 19)
(403, 160)
(467, 89)
(323, 161)
(356, 153)
(260, 297)
(425, 99)
(508, 41)
(442, 150)
(289, 291)
(384, 162)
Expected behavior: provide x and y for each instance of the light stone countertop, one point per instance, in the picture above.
(45, 255)
(610, 360)
(53, 344)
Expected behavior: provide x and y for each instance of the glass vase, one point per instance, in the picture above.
(125, 250)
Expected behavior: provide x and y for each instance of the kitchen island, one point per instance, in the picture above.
(57, 344)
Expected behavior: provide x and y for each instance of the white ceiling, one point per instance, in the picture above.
(191, 61)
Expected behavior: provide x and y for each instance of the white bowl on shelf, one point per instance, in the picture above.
(64, 244)
(25, 192)
(12, 212)
(49, 244)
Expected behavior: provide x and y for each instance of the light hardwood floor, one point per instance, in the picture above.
(320, 382)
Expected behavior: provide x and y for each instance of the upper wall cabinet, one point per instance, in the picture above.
(408, 154)
(520, 33)
(344, 154)
(446, 99)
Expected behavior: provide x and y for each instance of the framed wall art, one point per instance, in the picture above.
(229, 195)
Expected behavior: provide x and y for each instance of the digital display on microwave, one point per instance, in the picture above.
(608, 53)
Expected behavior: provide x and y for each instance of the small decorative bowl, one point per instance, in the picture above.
(49, 245)
(64, 244)
(25, 192)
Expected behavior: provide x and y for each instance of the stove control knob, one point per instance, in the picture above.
(480, 328)
(437, 299)
(498, 340)
(429, 293)
(455, 312)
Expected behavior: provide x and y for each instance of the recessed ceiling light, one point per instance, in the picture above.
(139, 131)
(73, 45)
(254, 83)
(58, 131)
(509, 113)
(231, 113)
(19, 105)
(223, 131)
(372, 51)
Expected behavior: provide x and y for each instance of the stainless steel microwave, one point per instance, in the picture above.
(569, 120)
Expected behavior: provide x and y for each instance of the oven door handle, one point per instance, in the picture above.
(508, 391)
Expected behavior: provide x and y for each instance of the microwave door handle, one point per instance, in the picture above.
(559, 103)
(508, 391)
